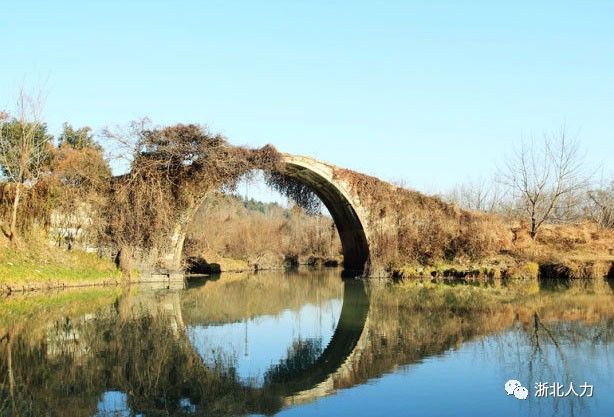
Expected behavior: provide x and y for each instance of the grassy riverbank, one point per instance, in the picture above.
(34, 264)
(559, 252)
(562, 252)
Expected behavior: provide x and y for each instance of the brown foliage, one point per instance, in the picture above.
(35, 206)
(407, 226)
(173, 169)
(295, 190)
(69, 194)
(582, 240)
(80, 179)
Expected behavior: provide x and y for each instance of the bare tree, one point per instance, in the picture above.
(121, 143)
(480, 195)
(24, 148)
(546, 178)
(600, 207)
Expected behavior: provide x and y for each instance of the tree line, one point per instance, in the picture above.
(245, 229)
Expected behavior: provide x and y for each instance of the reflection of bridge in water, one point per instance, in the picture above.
(336, 362)
(373, 335)
(139, 345)
(344, 349)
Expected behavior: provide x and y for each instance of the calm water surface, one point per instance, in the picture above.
(305, 343)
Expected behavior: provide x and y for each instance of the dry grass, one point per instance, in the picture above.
(237, 235)
(568, 251)
(577, 241)
(407, 226)
(560, 251)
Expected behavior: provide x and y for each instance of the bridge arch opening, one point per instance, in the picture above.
(352, 234)
(338, 200)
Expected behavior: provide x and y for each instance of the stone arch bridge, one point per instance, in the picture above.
(379, 224)
(350, 216)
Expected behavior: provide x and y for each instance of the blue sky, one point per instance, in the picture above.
(431, 93)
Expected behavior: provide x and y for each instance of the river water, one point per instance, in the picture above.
(308, 343)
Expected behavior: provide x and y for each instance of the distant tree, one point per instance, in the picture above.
(24, 149)
(600, 207)
(546, 179)
(77, 138)
(480, 195)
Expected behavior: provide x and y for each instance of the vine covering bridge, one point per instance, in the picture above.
(381, 226)
(350, 216)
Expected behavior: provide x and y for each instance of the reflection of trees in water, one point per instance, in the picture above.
(536, 334)
(43, 386)
(140, 356)
(550, 352)
(141, 353)
(236, 297)
(138, 347)
(301, 355)
(402, 333)
(135, 349)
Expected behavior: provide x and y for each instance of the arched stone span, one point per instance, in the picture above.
(345, 208)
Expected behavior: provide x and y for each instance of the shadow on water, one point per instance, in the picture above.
(196, 281)
(554, 276)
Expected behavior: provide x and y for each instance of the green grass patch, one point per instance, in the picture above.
(34, 262)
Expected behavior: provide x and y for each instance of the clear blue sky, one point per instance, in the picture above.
(428, 92)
